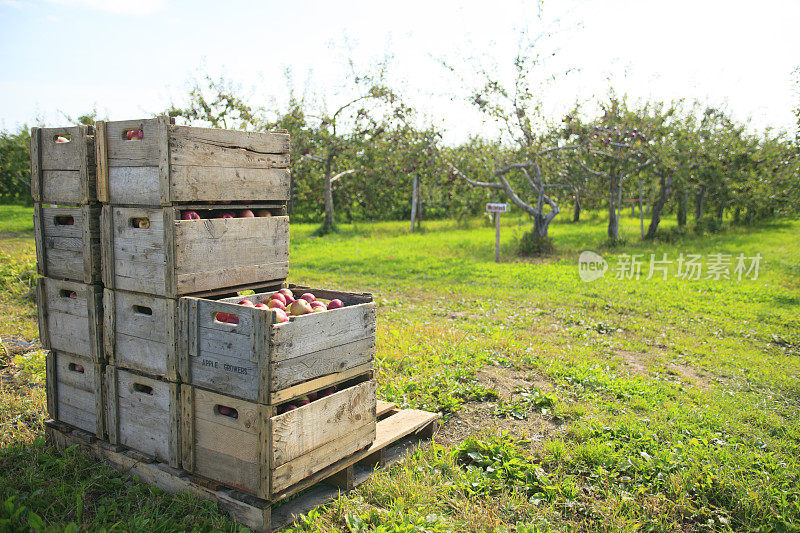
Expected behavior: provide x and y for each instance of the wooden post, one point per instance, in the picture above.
(497, 237)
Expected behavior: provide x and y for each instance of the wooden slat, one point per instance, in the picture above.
(297, 432)
(383, 407)
(320, 383)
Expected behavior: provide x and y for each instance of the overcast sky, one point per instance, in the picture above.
(131, 59)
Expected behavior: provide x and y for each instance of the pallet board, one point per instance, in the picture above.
(71, 317)
(266, 453)
(183, 164)
(63, 173)
(259, 360)
(68, 242)
(152, 251)
(397, 433)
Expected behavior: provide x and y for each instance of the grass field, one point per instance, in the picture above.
(620, 404)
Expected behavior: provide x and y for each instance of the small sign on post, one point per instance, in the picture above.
(496, 209)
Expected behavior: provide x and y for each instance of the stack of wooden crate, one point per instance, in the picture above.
(67, 233)
(170, 378)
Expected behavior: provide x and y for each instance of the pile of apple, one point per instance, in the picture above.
(305, 400)
(244, 213)
(134, 135)
(285, 305)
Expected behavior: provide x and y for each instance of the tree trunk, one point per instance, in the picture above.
(328, 224)
(720, 211)
(576, 213)
(540, 226)
(414, 193)
(682, 201)
(698, 205)
(658, 206)
(641, 214)
(737, 214)
(613, 220)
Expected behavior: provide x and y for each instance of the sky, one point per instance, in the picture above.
(131, 59)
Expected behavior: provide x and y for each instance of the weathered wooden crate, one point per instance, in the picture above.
(182, 164)
(68, 242)
(141, 332)
(63, 173)
(75, 391)
(71, 317)
(268, 362)
(143, 413)
(153, 251)
(266, 453)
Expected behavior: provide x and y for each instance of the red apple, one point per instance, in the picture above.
(335, 304)
(289, 407)
(79, 368)
(327, 392)
(247, 303)
(312, 396)
(246, 213)
(227, 318)
(263, 213)
(140, 135)
(224, 410)
(262, 305)
(280, 297)
(308, 297)
(190, 215)
(287, 292)
(317, 303)
(301, 402)
(226, 214)
(300, 307)
(277, 304)
(281, 316)
(73, 294)
(129, 134)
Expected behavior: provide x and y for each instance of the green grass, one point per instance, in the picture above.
(669, 404)
(16, 219)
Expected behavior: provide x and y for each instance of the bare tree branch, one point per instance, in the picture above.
(342, 174)
(473, 182)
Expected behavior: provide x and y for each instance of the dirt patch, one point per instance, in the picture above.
(478, 418)
(690, 374)
(506, 380)
(635, 362)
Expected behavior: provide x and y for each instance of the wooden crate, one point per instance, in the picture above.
(63, 173)
(142, 413)
(172, 257)
(68, 242)
(71, 317)
(266, 453)
(182, 164)
(267, 362)
(398, 432)
(141, 331)
(75, 391)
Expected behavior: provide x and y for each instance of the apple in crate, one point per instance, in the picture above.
(336, 303)
(246, 213)
(281, 315)
(263, 213)
(227, 318)
(226, 214)
(262, 305)
(190, 215)
(318, 306)
(247, 303)
(280, 297)
(312, 396)
(308, 297)
(61, 139)
(288, 295)
(276, 304)
(300, 307)
(327, 392)
(302, 400)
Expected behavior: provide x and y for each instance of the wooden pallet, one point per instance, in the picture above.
(398, 431)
